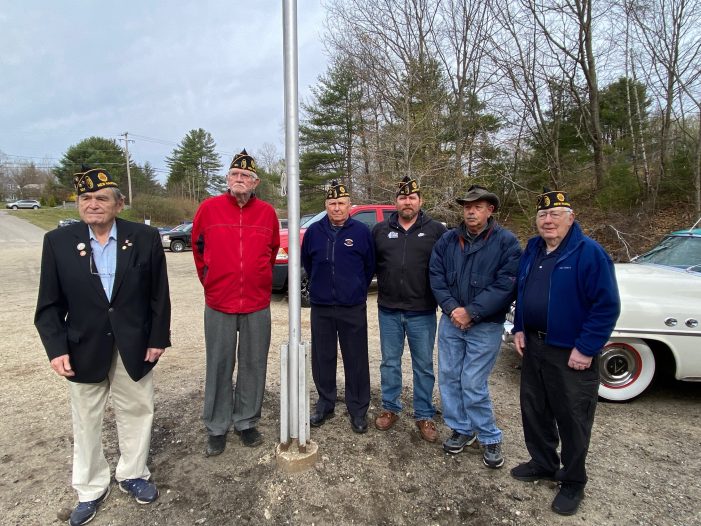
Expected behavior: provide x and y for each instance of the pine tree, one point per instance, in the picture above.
(194, 166)
(95, 152)
(329, 131)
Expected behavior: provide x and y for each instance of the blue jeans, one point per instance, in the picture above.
(465, 360)
(420, 331)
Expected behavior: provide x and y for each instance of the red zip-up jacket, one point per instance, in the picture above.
(235, 249)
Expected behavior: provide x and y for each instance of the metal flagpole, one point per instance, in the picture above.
(294, 396)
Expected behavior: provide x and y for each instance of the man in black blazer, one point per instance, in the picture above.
(103, 314)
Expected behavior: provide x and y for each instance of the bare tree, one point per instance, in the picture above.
(533, 87)
(670, 51)
(568, 27)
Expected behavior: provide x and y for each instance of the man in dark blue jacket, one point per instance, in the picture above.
(406, 307)
(566, 309)
(473, 277)
(339, 257)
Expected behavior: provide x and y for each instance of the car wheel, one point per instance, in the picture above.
(177, 246)
(35, 207)
(14, 207)
(626, 368)
(305, 290)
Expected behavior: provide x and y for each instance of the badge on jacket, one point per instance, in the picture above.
(348, 242)
(392, 235)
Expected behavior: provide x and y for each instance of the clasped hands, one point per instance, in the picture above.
(461, 318)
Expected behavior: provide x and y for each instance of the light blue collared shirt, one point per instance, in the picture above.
(104, 259)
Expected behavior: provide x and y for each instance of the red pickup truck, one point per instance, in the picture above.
(368, 214)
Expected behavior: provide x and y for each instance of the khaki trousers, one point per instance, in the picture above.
(133, 409)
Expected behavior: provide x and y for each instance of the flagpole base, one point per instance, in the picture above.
(293, 459)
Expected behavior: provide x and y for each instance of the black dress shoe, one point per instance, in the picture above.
(318, 418)
(359, 424)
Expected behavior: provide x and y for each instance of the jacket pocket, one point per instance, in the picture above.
(478, 282)
(73, 335)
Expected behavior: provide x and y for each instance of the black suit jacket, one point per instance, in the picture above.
(74, 316)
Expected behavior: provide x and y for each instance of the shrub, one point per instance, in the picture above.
(164, 210)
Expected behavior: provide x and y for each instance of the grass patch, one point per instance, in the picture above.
(48, 218)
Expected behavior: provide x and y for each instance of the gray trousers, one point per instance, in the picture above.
(222, 403)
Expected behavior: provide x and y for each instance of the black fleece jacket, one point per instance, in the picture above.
(402, 259)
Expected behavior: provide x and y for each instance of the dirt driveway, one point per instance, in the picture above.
(644, 461)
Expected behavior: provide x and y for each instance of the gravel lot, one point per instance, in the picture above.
(644, 461)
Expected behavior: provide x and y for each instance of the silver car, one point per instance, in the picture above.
(24, 203)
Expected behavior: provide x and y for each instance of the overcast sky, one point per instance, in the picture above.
(73, 69)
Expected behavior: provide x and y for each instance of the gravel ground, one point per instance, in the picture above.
(644, 460)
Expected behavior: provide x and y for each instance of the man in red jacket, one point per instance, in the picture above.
(235, 239)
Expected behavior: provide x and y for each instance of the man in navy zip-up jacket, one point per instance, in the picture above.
(566, 309)
(338, 255)
(473, 278)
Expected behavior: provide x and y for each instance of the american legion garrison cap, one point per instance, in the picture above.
(552, 199)
(93, 180)
(337, 190)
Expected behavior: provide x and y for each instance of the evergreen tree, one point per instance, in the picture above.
(194, 166)
(329, 131)
(615, 122)
(144, 181)
(95, 152)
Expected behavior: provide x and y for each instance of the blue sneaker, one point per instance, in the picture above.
(84, 512)
(142, 490)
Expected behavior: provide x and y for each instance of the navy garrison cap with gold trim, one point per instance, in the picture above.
(552, 199)
(337, 190)
(408, 186)
(244, 161)
(93, 180)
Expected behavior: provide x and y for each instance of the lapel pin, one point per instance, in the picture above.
(80, 246)
(82, 252)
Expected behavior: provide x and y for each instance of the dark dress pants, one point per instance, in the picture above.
(347, 326)
(557, 404)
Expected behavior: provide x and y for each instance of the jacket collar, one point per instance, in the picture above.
(125, 252)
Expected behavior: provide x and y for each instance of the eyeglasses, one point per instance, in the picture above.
(554, 214)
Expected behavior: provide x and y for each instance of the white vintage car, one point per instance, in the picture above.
(659, 322)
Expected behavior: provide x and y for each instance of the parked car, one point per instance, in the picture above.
(177, 239)
(368, 214)
(66, 222)
(659, 322)
(24, 203)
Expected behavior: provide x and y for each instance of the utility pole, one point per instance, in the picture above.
(126, 153)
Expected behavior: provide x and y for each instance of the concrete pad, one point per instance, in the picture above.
(291, 460)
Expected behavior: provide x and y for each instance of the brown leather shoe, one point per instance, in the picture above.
(428, 431)
(385, 420)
